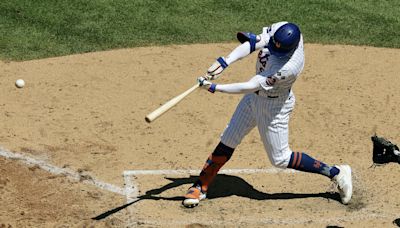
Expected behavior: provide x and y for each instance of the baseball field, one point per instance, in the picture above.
(75, 150)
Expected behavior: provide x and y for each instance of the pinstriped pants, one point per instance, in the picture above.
(271, 116)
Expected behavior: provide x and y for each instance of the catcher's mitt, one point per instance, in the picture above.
(384, 151)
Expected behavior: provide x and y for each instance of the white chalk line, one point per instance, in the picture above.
(197, 172)
(131, 191)
(76, 176)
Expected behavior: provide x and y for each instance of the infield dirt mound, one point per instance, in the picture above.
(86, 112)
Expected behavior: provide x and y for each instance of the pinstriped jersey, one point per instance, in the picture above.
(280, 72)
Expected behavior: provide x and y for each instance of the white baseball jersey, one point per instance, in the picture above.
(269, 108)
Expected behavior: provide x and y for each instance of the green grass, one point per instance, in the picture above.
(44, 28)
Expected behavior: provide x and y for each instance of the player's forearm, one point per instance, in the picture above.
(244, 50)
(254, 84)
(236, 88)
(239, 52)
(250, 43)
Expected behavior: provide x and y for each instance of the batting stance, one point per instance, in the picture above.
(267, 104)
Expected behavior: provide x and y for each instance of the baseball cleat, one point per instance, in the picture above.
(193, 197)
(344, 182)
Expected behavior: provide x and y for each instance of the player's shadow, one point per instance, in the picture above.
(223, 186)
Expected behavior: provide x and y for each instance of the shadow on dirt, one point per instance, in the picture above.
(223, 186)
(397, 222)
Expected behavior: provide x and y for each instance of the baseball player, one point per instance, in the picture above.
(267, 104)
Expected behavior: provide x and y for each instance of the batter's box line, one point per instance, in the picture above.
(132, 186)
(76, 176)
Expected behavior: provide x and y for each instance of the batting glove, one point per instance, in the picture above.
(204, 83)
(216, 68)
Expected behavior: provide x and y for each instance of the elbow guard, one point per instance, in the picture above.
(250, 37)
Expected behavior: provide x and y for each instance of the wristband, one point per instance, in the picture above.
(222, 62)
(212, 88)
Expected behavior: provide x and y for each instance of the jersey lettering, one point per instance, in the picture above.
(262, 58)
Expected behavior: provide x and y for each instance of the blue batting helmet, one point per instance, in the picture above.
(285, 40)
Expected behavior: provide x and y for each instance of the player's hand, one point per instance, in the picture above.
(216, 68)
(203, 82)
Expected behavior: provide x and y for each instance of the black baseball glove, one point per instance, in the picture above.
(384, 151)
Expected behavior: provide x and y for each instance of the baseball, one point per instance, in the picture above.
(20, 83)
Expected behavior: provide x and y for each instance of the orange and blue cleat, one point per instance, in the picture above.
(193, 197)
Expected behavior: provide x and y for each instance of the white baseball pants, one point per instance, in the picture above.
(271, 116)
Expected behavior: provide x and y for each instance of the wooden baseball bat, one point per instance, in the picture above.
(171, 103)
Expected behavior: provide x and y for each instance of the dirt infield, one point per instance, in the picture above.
(85, 113)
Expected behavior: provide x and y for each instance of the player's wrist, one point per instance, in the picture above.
(212, 88)
(222, 62)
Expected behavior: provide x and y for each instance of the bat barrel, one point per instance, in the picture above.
(152, 116)
(171, 103)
